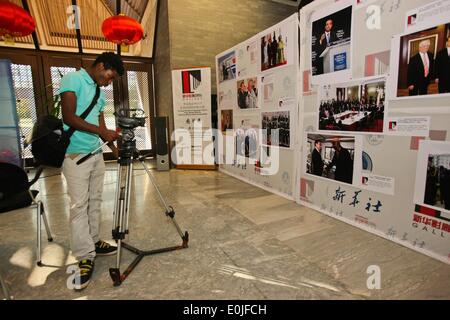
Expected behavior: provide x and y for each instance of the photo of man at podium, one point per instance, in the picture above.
(331, 39)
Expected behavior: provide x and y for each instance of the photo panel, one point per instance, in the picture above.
(334, 157)
(278, 89)
(356, 106)
(226, 120)
(277, 46)
(276, 129)
(331, 43)
(247, 93)
(248, 58)
(227, 67)
(247, 135)
(421, 64)
(227, 95)
(432, 188)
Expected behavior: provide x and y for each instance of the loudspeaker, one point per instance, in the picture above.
(162, 143)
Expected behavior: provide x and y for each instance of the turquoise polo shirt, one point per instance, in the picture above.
(81, 83)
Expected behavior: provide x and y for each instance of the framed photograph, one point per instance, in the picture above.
(276, 129)
(227, 67)
(331, 43)
(432, 188)
(329, 153)
(421, 64)
(334, 157)
(274, 48)
(357, 106)
(226, 122)
(247, 135)
(247, 93)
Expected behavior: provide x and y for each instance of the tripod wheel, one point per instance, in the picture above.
(185, 240)
(115, 276)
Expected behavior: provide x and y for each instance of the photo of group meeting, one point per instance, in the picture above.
(331, 157)
(332, 32)
(273, 50)
(353, 108)
(276, 130)
(247, 93)
(424, 65)
(227, 67)
(437, 185)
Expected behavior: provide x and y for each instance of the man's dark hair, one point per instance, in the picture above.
(112, 61)
(316, 142)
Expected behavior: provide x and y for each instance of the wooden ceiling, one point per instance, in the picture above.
(54, 18)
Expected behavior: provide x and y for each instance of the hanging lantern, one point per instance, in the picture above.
(15, 21)
(122, 30)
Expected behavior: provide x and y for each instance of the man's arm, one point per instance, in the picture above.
(69, 106)
(411, 74)
(102, 124)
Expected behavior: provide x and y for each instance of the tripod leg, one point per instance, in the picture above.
(152, 179)
(47, 227)
(4, 288)
(128, 194)
(169, 209)
(116, 204)
(123, 198)
(38, 253)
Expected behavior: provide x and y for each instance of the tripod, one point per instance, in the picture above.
(128, 153)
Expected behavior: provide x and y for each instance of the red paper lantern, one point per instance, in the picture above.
(122, 30)
(15, 21)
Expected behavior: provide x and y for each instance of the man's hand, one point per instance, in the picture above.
(437, 81)
(411, 87)
(322, 38)
(108, 135)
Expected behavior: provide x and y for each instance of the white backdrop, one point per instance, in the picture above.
(277, 88)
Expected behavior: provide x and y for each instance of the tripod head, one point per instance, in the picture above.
(128, 120)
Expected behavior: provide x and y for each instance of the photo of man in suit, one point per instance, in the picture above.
(329, 36)
(343, 162)
(442, 68)
(316, 159)
(420, 70)
(326, 39)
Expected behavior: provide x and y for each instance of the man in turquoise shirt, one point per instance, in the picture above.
(85, 181)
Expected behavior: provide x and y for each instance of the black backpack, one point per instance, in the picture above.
(49, 140)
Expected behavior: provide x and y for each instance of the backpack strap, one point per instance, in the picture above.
(87, 111)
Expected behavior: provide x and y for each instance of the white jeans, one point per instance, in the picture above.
(85, 187)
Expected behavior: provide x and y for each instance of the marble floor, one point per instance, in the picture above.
(245, 243)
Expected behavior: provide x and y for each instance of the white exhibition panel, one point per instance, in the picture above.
(352, 86)
(386, 196)
(248, 65)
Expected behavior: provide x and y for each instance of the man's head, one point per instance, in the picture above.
(329, 25)
(318, 144)
(107, 67)
(337, 145)
(424, 46)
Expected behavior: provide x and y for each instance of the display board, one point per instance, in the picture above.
(375, 118)
(193, 134)
(10, 150)
(258, 108)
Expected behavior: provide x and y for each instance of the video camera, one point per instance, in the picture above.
(128, 120)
